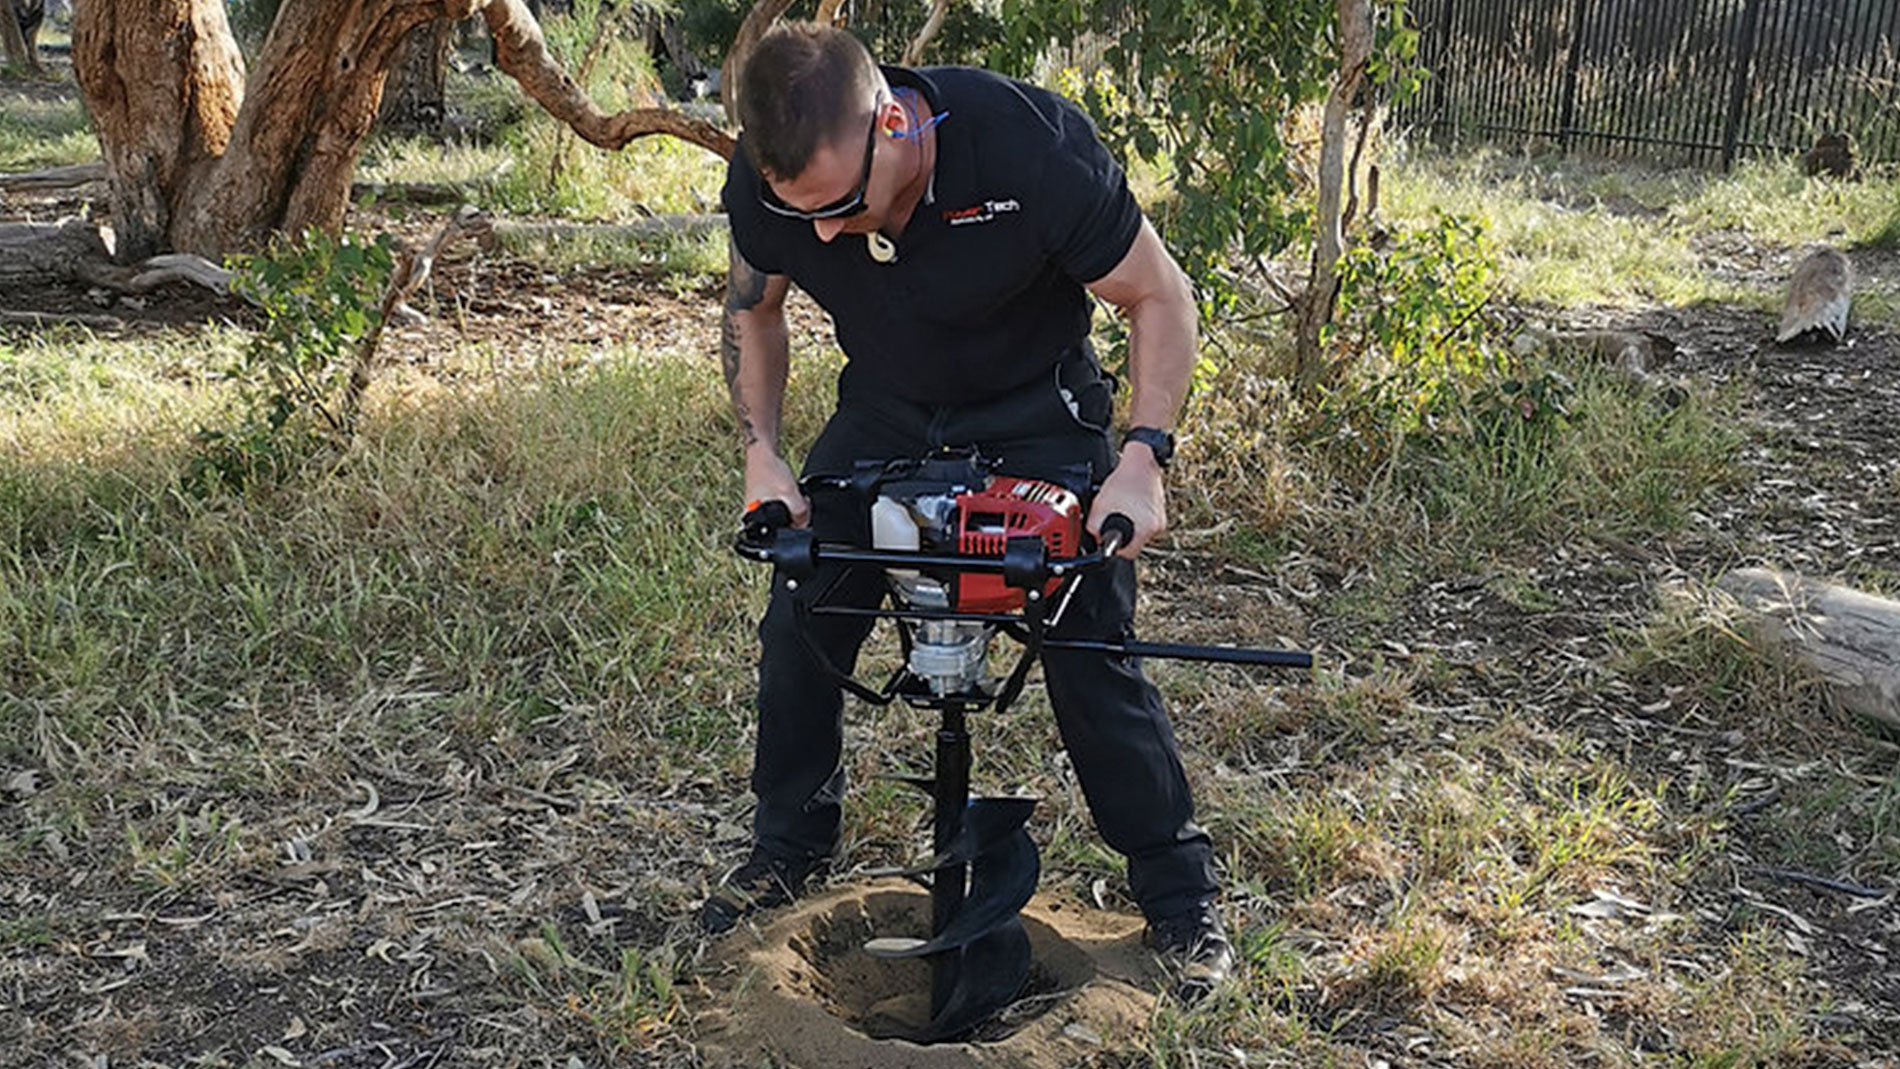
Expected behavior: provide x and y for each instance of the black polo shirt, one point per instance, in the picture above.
(1025, 206)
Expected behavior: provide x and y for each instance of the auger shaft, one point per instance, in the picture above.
(951, 793)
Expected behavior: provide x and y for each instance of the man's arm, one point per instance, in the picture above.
(1150, 289)
(755, 353)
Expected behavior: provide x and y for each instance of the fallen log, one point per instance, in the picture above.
(75, 176)
(39, 320)
(53, 178)
(73, 250)
(1849, 639)
(34, 251)
(635, 233)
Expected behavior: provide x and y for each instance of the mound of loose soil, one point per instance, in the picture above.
(802, 992)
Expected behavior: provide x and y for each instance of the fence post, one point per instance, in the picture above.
(1567, 116)
(1738, 88)
(1441, 94)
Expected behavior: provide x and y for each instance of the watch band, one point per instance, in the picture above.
(1158, 441)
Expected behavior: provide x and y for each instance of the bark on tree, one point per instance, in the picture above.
(202, 161)
(1316, 306)
(1849, 639)
(162, 79)
(414, 98)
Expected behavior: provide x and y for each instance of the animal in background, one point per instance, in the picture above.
(1818, 297)
(1832, 154)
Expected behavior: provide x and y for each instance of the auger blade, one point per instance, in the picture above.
(990, 975)
(987, 822)
(1002, 880)
(923, 783)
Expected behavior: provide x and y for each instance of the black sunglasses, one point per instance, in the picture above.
(851, 203)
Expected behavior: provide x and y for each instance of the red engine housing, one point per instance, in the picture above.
(1012, 508)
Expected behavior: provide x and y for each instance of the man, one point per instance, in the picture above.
(953, 223)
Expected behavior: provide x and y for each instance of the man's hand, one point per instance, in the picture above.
(1133, 489)
(769, 478)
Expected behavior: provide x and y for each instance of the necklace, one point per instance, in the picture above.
(881, 248)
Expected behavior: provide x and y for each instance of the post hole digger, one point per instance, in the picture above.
(965, 554)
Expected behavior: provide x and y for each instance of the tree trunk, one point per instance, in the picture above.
(674, 39)
(1849, 639)
(19, 50)
(414, 99)
(162, 79)
(311, 105)
(1316, 307)
(198, 164)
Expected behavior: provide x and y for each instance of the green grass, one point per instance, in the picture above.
(36, 134)
(565, 512)
(1578, 232)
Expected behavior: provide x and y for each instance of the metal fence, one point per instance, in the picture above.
(1702, 81)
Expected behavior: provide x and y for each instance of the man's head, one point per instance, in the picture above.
(804, 87)
(812, 105)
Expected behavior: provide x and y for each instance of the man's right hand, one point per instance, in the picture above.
(769, 478)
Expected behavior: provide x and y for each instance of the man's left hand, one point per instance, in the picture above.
(1133, 489)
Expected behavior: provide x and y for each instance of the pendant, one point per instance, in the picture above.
(881, 248)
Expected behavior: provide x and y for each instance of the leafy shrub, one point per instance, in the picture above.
(1205, 91)
(1418, 298)
(321, 303)
(1412, 334)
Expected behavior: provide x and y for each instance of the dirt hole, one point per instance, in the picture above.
(883, 998)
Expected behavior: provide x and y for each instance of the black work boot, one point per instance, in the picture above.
(765, 881)
(1194, 946)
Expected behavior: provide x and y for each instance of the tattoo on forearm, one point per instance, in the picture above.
(745, 288)
(729, 349)
(745, 284)
(729, 357)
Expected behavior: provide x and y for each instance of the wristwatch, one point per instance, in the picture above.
(1158, 441)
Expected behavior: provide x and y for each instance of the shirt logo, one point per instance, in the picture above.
(981, 213)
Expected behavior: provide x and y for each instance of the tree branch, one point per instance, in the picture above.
(830, 13)
(915, 53)
(410, 275)
(522, 52)
(757, 21)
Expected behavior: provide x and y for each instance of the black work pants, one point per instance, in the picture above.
(1110, 716)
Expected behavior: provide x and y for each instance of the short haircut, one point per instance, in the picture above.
(803, 86)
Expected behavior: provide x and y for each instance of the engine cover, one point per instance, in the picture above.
(1011, 508)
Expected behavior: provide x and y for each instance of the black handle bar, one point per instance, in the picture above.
(769, 538)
